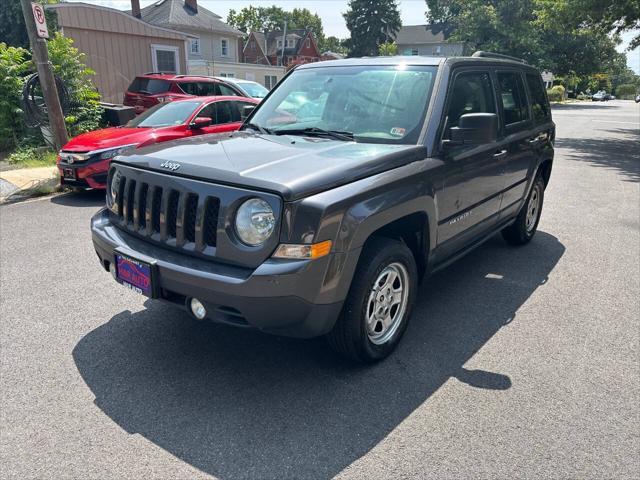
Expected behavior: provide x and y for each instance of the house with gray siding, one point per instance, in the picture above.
(212, 40)
(421, 40)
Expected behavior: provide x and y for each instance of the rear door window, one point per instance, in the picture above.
(149, 86)
(199, 89)
(539, 102)
(513, 97)
(471, 92)
(225, 90)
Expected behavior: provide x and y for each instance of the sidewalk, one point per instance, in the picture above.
(15, 183)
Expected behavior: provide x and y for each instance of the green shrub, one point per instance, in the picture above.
(626, 91)
(28, 157)
(556, 93)
(14, 66)
(85, 113)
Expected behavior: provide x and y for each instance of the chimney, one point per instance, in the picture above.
(135, 8)
(192, 4)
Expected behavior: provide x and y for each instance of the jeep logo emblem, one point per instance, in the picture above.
(170, 166)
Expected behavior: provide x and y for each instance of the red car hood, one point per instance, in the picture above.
(108, 138)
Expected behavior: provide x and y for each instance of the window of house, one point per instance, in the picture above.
(195, 46)
(270, 81)
(290, 43)
(279, 43)
(471, 93)
(539, 102)
(252, 46)
(227, 74)
(308, 43)
(512, 95)
(437, 50)
(164, 58)
(224, 46)
(415, 52)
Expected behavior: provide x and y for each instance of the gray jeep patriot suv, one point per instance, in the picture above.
(343, 188)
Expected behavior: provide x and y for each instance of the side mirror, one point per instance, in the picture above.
(200, 122)
(246, 111)
(475, 129)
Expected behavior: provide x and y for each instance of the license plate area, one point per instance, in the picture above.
(136, 275)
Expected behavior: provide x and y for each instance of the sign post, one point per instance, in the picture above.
(40, 19)
(36, 24)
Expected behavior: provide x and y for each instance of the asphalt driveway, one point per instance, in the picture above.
(518, 362)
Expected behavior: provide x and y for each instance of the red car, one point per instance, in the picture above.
(151, 89)
(84, 161)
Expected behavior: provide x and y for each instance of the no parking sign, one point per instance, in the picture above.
(41, 21)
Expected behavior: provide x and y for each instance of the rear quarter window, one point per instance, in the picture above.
(149, 86)
(539, 103)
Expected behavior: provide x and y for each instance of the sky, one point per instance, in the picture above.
(412, 12)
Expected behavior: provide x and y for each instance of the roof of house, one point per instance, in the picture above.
(175, 14)
(85, 10)
(418, 34)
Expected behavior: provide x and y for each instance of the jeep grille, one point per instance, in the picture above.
(171, 216)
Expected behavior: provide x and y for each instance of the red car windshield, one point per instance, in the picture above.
(165, 115)
(149, 86)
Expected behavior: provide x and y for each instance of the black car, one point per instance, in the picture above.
(348, 184)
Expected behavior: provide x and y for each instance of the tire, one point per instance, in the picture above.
(353, 336)
(524, 228)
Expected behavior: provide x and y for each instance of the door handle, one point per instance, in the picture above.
(500, 153)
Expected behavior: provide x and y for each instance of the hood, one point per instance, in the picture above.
(292, 166)
(108, 138)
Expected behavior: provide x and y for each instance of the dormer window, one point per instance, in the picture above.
(290, 43)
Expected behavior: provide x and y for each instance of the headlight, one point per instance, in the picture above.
(255, 222)
(114, 187)
(116, 151)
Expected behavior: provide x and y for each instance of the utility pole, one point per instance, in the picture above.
(45, 74)
(284, 43)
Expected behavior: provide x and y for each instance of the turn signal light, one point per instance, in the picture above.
(310, 252)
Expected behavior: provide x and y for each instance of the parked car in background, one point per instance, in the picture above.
(638, 98)
(600, 96)
(151, 89)
(84, 161)
(248, 87)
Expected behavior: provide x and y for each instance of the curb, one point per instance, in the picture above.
(21, 184)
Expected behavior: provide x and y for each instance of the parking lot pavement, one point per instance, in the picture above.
(518, 362)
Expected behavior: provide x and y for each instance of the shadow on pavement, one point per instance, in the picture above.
(586, 106)
(240, 404)
(620, 151)
(82, 198)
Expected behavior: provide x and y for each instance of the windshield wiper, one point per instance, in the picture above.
(338, 135)
(264, 131)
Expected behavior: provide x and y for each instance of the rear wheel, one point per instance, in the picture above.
(524, 228)
(376, 312)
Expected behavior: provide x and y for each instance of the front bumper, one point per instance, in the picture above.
(91, 175)
(277, 297)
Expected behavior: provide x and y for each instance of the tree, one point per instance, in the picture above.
(260, 19)
(371, 23)
(388, 49)
(333, 44)
(615, 16)
(12, 28)
(531, 29)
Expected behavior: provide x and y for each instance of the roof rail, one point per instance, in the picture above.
(499, 56)
(157, 73)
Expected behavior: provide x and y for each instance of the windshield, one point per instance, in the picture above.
(377, 104)
(165, 115)
(254, 90)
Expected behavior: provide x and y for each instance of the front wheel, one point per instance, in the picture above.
(524, 228)
(377, 309)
